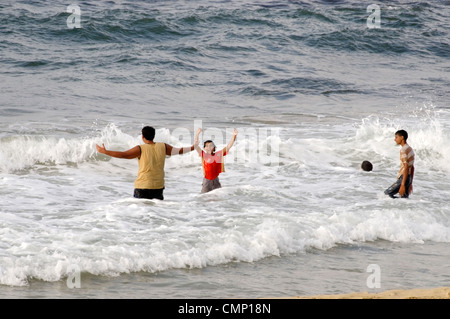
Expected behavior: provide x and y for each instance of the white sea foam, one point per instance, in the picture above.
(63, 204)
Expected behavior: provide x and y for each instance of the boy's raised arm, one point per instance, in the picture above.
(197, 148)
(233, 139)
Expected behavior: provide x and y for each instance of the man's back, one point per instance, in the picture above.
(151, 166)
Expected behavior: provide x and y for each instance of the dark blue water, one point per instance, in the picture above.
(173, 60)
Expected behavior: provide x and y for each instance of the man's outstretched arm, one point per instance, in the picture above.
(131, 153)
(170, 150)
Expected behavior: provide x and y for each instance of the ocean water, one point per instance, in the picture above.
(313, 89)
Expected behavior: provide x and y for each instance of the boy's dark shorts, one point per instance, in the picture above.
(208, 184)
(149, 193)
(393, 190)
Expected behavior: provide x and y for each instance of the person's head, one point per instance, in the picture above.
(148, 133)
(209, 147)
(401, 136)
(366, 166)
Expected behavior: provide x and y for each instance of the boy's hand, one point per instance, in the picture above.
(101, 149)
(235, 132)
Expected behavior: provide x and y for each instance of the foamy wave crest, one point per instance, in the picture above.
(408, 226)
(20, 152)
(190, 250)
(270, 237)
(25, 151)
(166, 241)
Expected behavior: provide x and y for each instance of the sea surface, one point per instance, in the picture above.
(313, 87)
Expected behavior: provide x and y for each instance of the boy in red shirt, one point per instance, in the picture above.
(212, 162)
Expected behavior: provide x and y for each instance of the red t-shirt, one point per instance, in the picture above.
(213, 165)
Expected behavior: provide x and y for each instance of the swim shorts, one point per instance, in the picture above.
(393, 190)
(208, 184)
(149, 193)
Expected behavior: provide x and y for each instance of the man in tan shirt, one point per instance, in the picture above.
(149, 183)
(403, 185)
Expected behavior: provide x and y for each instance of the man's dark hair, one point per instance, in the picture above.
(367, 166)
(148, 133)
(402, 133)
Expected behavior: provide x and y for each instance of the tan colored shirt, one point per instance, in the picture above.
(406, 159)
(151, 166)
